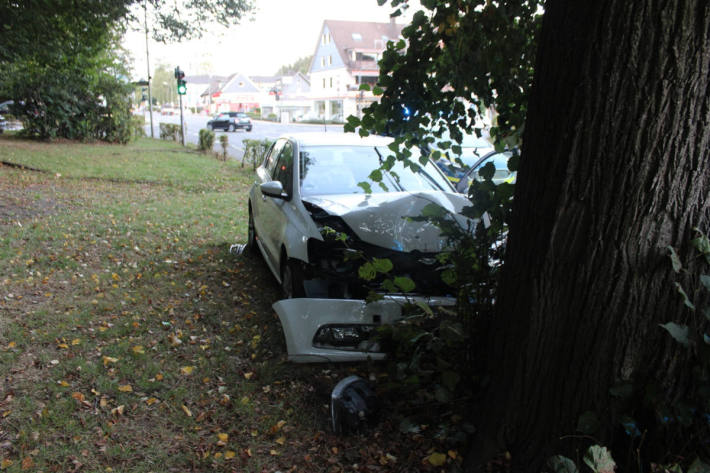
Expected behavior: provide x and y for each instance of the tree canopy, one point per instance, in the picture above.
(61, 63)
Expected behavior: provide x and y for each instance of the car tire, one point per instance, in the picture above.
(232, 127)
(249, 128)
(291, 279)
(251, 235)
(226, 128)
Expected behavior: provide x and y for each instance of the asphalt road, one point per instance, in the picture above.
(260, 131)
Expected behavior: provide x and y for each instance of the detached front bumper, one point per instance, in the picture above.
(321, 330)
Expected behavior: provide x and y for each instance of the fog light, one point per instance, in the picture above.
(343, 336)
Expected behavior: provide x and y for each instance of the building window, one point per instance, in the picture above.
(331, 82)
(322, 61)
(357, 37)
(330, 60)
(324, 82)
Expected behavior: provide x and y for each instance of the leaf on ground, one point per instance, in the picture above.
(125, 388)
(109, 359)
(223, 438)
(281, 440)
(599, 459)
(151, 400)
(187, 370)
(5, 463)
(436, 459)
(229, 454)
(187, 411)
(27, 463)
(118, 411)
(138, 350)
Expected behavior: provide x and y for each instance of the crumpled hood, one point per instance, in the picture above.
(382, 219)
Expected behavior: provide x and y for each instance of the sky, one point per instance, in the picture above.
(281, 32)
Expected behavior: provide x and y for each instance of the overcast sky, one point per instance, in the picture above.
(282, 32)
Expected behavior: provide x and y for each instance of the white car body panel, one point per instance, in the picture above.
(301, 319)
(382, 219)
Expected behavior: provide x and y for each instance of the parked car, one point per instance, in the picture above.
(4, 109)
(501, 172)
(472, 150)
(313, 222)
(230, 121)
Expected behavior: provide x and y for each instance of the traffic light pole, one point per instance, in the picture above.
(147, 61)
(182, 123)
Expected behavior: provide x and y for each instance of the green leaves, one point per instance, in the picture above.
(678, 332)
(599, 459)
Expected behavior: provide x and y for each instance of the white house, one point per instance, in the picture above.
(345, 57)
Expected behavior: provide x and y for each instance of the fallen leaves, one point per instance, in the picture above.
(125, 388)
(187, 411)
(187, 370)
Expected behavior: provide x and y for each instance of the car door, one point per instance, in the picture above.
(258, 200)
(274, 209)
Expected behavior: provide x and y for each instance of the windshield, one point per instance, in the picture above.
(328, 170)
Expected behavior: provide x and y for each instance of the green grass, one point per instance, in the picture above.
(115, 272)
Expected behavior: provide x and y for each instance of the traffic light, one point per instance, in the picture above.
(180, 76)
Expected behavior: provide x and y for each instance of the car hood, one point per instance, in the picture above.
(385, 219)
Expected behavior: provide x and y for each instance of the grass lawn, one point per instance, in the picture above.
(131, 340)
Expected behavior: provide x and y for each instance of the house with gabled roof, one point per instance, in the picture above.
(237, 94)
(347, 55)
(289, 98)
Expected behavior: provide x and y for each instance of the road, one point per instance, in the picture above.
(260, 131)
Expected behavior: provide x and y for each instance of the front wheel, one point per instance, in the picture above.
(232, 127)
(251, 234)
(248, 128)
(291, 280)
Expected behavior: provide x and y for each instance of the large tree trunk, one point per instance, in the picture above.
(615, 167)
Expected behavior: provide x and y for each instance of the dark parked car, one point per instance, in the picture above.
(230, 121)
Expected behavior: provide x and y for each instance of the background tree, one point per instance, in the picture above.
(300, 65)
(614, 170)
(61, 64)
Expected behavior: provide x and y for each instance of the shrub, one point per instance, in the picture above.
(170, 131)
(205, 140)
(255, 150)
(137, 127)
(224, 141)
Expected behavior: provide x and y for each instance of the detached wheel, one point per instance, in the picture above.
(291, 280)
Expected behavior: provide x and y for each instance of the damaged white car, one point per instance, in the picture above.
(316, 217)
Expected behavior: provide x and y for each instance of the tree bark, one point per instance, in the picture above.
(615, 168)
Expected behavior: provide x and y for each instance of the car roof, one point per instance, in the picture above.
(337, 139)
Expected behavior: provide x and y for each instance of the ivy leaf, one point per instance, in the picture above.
(675, 260)
(599, 460)
(560, 464)
(678, 332)
(367, 271)
(376, 176)
(404, 283)
(487, 171)
(686, 299)
(365, 186)
(382, 265)
(705, 280)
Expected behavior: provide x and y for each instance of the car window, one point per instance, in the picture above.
(500, 161)
(341, 170)
(270, 160)
(283, 171)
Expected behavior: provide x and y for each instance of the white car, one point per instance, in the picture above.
(317, 217)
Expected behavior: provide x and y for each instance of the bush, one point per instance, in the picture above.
(224, 141)
(255, 150)
(206, 140)
(137, 127)
(170, 131)
(271, 117)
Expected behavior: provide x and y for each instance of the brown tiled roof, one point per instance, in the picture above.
(373, 35)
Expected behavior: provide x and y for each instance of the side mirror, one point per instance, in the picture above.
(273, 189)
